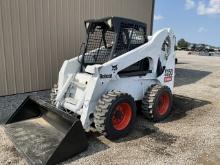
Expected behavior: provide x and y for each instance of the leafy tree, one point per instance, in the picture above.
(182, 43)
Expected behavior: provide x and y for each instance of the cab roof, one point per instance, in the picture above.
(115, 22)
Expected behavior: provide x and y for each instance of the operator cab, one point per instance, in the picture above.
(110, 37)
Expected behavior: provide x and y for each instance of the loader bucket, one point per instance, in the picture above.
(44, 134)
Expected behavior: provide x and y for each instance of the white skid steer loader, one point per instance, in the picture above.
(119, 66)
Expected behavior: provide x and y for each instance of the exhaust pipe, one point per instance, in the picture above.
(44, 134)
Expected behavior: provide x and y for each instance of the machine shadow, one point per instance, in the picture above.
(181, 105)
(181, 63)
(188, 76)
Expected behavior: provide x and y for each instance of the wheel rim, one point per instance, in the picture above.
(121, 116)
(163, 104)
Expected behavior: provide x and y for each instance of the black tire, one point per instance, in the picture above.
(106, 110)
(152, 107)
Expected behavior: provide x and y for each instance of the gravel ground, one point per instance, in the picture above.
(190, 136)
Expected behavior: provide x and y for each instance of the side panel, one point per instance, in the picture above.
(134, 86)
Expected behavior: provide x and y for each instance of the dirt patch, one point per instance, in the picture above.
(8, 154)
(209, 159)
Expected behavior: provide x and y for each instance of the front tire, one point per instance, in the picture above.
(115, 114)
(157, 103)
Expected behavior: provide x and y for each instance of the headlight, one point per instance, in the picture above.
(109, 22)
(87, 25)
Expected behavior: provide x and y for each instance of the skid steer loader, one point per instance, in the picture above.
(119, 66)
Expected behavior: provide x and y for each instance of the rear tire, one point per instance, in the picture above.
(115, 114)
(157, 103)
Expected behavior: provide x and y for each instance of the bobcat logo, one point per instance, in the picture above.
(114, 68)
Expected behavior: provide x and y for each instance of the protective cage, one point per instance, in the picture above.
(44, 134)
(111, 37)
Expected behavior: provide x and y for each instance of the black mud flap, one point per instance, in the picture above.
(44, 134)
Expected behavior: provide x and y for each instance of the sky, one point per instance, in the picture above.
(197, 21)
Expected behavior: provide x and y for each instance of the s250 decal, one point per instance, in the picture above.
(168, 75)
